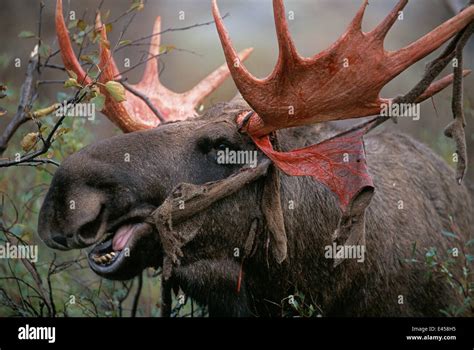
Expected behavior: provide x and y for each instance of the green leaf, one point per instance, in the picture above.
(4, 60)
(44, 50)
(431, 252)
(445, 313)
(448, 234)
(116, 90)
(136, 6)
(61, 132)
(124, 42)
(470, 242)
(81, 24)
(166, 48)
(78, 38)
(99, 102)
(25, 34)
(72, 74)
(72, 83)
(470, 257)
(93, 73)
(72, 24)
(92, 59)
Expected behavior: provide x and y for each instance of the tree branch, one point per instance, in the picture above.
(145, 99)
(136, 297)
(27, 93)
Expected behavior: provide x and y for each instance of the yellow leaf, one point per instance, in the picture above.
(116, 90)
(72, 83)
(29, 141)
(72, 74)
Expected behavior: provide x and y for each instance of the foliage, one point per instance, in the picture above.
(63, 285)
(454, 267)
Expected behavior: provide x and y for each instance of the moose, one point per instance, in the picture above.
(156, 196)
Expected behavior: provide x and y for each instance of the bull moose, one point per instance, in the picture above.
(156, 196)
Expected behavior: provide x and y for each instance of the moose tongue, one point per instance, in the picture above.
(122, 237)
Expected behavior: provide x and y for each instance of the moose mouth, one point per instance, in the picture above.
(116, 255)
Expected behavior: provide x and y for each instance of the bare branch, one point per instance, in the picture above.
(145, 99)
(27, 94)
(40, 20)
(135, 41)
(136, 297)
(455, 129)
(46, 142)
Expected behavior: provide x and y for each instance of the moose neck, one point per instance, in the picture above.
(311, 215)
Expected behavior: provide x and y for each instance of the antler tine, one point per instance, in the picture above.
(117, 112)
(288, 54)
(213, 80)
(242, 78)
(356, 24)
(439, 85)
(151, 76)
(380, 32)
(135, 113)
(412, 53)
(107, 62)
(67, 53)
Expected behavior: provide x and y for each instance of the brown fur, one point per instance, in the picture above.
(402, 168)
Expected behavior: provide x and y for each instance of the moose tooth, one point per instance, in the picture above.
(103, 259)
(113, 254)
(109, 257)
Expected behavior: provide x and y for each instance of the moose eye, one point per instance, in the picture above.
(223, 146)
(208, 145)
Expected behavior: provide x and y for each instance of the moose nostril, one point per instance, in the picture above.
(60, 240)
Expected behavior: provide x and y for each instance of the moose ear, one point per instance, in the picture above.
(273, 214)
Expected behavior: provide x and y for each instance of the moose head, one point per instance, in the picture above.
(159, 195)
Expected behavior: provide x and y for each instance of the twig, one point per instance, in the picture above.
(85, 37)
(45, 82)
(51, 269)
(128, 288)
(169, 30)
(46, 142)
(145, 99)
(140, 63)
(50, 56)
(38, 162)
(54, 66)
(38, 66)
(136, 297)
(27, 93)
(31, 268)
(166, 301)
(434, 68)
(455, 129)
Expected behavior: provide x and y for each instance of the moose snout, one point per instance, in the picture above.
(75, 222)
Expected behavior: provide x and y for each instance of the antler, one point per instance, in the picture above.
(134, 114)
(341, 82)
